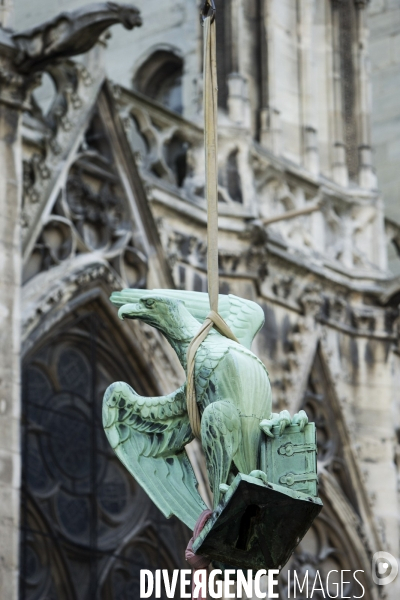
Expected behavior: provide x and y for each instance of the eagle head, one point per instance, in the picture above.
(166, 314)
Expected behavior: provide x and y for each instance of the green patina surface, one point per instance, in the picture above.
(290, 458)
(240, 435)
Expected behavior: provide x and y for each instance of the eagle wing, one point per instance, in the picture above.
(149, 436)
(244, 317)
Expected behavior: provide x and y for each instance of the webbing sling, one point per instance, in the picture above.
(213, 319)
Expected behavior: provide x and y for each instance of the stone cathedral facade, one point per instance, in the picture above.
(102, 187)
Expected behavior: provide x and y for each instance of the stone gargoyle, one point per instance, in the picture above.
(70, 33)
(233, 394)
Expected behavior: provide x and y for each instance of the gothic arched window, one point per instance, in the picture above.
(87, 526)
(160, 78)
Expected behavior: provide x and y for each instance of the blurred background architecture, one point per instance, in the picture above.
(102, 187)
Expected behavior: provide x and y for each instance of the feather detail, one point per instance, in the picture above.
(151, 445)
(221, 437)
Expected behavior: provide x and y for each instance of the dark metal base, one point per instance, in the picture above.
(257, 525)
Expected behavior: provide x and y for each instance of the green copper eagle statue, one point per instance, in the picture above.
(233, 395)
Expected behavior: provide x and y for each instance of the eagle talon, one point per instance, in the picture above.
(301, 419)
(259, 475)
(282, 420)
(266, 425)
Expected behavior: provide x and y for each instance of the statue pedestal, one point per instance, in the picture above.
(257, 525)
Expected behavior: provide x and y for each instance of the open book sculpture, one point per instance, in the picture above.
(261, 466)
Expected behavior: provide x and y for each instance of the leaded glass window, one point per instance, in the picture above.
(87, 527)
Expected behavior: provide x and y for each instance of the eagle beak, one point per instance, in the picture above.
(130, 311)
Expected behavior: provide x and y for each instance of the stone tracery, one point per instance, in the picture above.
(74, 490)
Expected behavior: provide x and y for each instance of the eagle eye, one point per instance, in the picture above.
(149, 303)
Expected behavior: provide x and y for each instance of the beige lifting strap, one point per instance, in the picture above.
(210, 141)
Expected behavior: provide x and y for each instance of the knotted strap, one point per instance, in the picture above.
(211, 147)
(213, 319)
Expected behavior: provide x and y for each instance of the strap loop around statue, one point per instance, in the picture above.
(213, 319)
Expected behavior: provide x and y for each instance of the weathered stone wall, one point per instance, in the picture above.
(12, 99)
(331, 334)
(10, 277)
(384, 23)
(171, 25)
